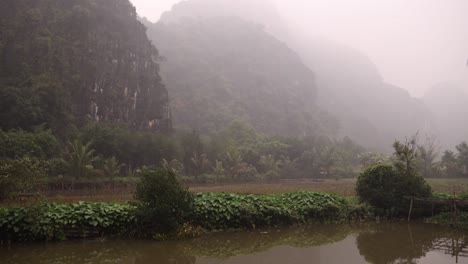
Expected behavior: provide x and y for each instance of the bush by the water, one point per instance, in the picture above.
(163, 204)
(210, 211)
(58, 221)
(222, 210)
(384, 187)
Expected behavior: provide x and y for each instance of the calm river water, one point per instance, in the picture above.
(365, 243)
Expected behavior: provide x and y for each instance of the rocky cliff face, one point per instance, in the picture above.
(71, 61)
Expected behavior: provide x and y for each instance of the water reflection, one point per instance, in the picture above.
(384, 243)
(391, 243)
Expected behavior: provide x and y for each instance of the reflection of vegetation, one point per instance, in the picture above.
(217, 245)
(115, 252)
(384, 243)
(395, 243)
(228, 245)
(446, 218)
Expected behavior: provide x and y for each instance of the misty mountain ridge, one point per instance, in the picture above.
(349, 85)
(221, 69)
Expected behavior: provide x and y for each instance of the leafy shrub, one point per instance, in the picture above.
(20, 175)
(382, 186)
(18, 143)
(163, 204)
(221, 210)
(59, 221)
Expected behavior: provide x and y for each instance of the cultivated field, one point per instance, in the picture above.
(343, 187)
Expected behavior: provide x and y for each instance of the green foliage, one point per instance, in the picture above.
(462, 158)
(112, 168)
(19, 143)
(60, 221)
(222, 210)
(384, 187)
(406, 153)
(80, 159)
(163, 204)
(164, 208)
(446, 218)
(64, 63)
(449, 164)
(134, 148)
(22, 175)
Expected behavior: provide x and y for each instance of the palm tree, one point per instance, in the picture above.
(233, 161)
(270, 166)
(218, 169)
(112, 168)
(199, 162)
(176, 166)
(80, 159)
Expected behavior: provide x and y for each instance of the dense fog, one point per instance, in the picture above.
(377, 64)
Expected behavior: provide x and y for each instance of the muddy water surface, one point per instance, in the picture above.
(367, 243)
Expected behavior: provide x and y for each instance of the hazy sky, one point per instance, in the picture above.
(414, 43)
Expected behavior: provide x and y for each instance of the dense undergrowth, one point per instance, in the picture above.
(221, 210)
(60, 221)
(210, 212)
(447, 218)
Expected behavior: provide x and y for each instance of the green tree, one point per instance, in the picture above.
(40, 144)
(176, 166)
(270, 167)
(449, 164)
(462, 157)
(20, 176)
(218, 169)
(406, 154)
(80, 159)
(233, 159)
(200, 163)
(327, 159)
(384, 186)
(162, 203)
(112, 168)
(427, 161)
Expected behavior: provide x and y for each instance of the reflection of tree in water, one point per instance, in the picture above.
(384, 243)
(216, 245)
(91, 252)
(167, 252)
(456, 245)
(401, 243)
(225, 245)
(67, 253)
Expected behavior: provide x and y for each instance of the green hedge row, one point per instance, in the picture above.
(60, 221)
(210, 211)
(221, 210)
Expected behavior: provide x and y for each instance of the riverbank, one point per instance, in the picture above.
(212, 211)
